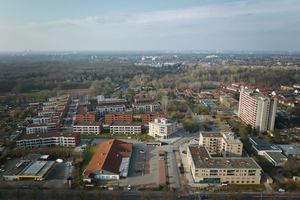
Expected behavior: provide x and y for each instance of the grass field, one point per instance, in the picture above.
(88, 154)
(245, 187)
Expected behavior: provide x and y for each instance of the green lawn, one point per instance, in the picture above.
(88, 154)
(247, 145)
(246, 187)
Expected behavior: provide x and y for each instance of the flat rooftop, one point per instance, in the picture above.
(111, 106)
(87, 124)
(278, 157)
(44, 116)
(202, 159)
(36, 125)
(119, 113)
(211, 134)
(126, 124)
(47, 135)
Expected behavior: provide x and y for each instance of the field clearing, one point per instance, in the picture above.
(77, 92)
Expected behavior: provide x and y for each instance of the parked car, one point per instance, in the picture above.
(138, 170)
(142, 151)
(161, 158)
(203, 196)
(1, 170)
(129, 187)
(161, 154)
(173, 189)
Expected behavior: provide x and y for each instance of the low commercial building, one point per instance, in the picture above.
(102, 110)
(30, 166)
(162, 128)
(48, 140)
(126, 128)
(208, 103)
(217, 170)
(118, 117)
(88, 128)
(221, 143)
(290, 150)
(229, 101)
(151, 116)
(110, 161)
(260, 147)
(140, 108)
(84, 115)
(276, 158)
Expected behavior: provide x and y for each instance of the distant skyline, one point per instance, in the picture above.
(252, 25)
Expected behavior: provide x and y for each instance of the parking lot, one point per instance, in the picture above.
(146, 162)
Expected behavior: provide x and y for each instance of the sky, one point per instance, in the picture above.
(76, 25)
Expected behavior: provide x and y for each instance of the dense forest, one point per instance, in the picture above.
(102, 77)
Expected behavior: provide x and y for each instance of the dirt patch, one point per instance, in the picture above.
(77, 92)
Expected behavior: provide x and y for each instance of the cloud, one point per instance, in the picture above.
(225, 10)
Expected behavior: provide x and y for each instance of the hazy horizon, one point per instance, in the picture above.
(137, 25)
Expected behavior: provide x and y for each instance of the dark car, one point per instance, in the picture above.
(161, 154)
(138, 170)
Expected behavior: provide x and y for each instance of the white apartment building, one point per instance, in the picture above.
(48, 140)
(41, 119)
(36, 128)
(88, 127)
(126, 128)
(162, 128)
(102, 110)
(140, 108)
(221, 143)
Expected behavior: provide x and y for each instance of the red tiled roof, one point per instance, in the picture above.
(108, 157)
(265, 89)
(282, 92)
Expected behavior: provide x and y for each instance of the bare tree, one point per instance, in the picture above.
(165, 103)
(17, 193)
(2, 194)
(82, 194)
(115, 195)
(147, 195)
(168, 196)
(100, 195)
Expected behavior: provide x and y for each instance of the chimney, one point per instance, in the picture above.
(117, 155)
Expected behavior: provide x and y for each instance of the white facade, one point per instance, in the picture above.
(37, 128)
(145, 107)
(41, 120)
(102, 110)
(162, 128)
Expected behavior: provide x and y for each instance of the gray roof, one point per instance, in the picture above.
(259, 141)
(290, 149)
(276, 156)
(262, 145)
(202, 159)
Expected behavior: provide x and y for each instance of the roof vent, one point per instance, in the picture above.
(108, 142)
(38, 135)
(117, 155)
(102, 154)
(228, 161)
(98, 163)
